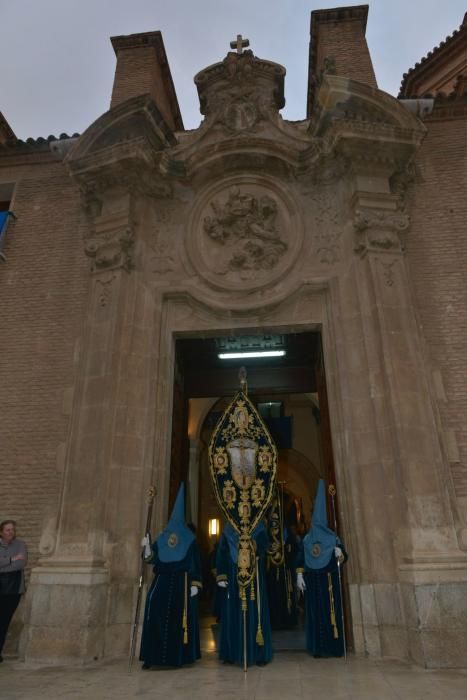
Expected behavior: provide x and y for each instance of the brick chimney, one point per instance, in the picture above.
(142, 67)
(338, 44)
(6, 133)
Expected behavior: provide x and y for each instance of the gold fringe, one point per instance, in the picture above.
(185, 619)
(333, 611)
(259, 631)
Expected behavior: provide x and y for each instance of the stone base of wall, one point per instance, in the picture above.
(67, 616)
(425, 622)
(75, 616)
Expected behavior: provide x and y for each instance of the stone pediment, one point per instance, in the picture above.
(363, 121)
(209, 152)
(128, 138)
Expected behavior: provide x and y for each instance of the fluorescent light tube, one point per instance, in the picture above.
(241, 355)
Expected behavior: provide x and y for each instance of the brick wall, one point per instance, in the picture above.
(437, 253)
(43, 288)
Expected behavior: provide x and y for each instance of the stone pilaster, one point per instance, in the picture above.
(424, 547)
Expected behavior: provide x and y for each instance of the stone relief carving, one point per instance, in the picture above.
(245, 227)
(240, 91)
(388, 272)
(328, 229)
(112, 249)
(104, 288)
(161, 256)
(161, 260)
(379, 230)
(240, 115)
(244, 233)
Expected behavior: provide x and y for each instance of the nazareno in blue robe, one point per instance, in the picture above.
(162, 641)
(231, 634)
(321, 595)
(282, 592)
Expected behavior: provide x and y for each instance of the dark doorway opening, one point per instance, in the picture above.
(290, 393)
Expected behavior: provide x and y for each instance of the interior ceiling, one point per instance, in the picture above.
(205, 374)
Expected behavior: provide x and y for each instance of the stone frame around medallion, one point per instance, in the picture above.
(291, 227)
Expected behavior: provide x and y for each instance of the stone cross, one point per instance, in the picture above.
(240, 43)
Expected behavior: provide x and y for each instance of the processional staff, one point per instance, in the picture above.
(152, 492)
(332, 493)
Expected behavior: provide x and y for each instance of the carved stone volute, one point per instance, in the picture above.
(379, 229)
(111, 243)
(240, 90)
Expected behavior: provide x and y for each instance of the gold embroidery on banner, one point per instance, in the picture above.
(243, 471)
(264, 458)
(221, 460)
(229, 494)
(257, 492)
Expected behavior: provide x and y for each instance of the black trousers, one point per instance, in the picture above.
(8, 605)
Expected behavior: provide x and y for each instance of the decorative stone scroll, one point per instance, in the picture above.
(379, 230)
(112, 249)
(244, 233)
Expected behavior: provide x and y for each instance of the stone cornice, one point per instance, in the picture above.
(122, 149)
(364, 124)
(451, 107)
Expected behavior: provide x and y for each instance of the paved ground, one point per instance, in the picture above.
(292, 675)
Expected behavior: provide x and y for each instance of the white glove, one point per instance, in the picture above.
(338, 553)
(146, 543)
(193, 591)
(222, 584)
(301, 585)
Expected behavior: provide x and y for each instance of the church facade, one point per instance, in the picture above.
(349, 224)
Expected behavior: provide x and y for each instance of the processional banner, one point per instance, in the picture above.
(243, 465)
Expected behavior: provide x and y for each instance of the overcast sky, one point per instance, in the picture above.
(57, 63)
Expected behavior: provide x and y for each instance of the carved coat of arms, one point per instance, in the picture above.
(245, 227)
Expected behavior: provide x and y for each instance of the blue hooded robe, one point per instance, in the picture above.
(170, 634)
(323, 605)
(231, 635)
